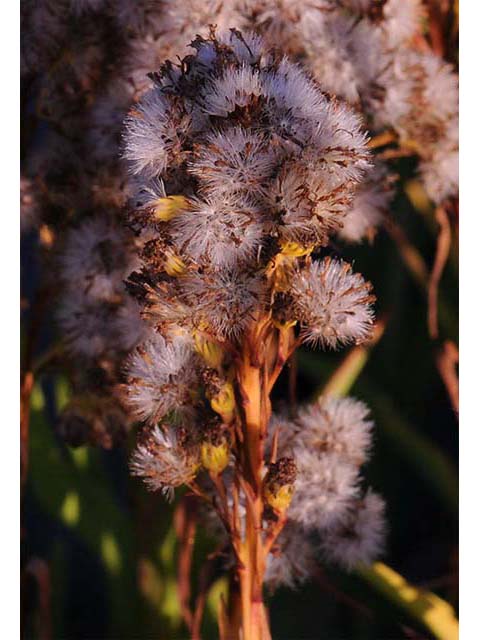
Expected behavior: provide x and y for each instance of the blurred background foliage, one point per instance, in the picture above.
(100, 554)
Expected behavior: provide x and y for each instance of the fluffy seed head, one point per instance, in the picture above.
(360, 538)
(369, 206)
(336, 425)
(332, 304)
(162, 378)
(93, 328)
(97, 257)
(164, 460)
(157, 128)
(293, 563)
(252, 143)
(225, 302)
(324, 489)
(217, 232)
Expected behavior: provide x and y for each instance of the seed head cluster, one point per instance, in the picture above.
(192, 182)
(330, 511)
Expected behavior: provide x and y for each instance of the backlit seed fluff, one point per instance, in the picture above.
(402, 20)
(421, 102)
(336, 425)
(94, 328)
(224, 302)
(440, 174)
(217, 232)
(224, 131)
(345, 55)
(332, 304)
(369, 207)
(294, 561)
(239, 161)
(360, 538)
(157, 128)
(97, 257)
(164, 461)
(324, 488)
(161, 378)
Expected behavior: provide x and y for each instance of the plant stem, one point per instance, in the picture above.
(255, 414)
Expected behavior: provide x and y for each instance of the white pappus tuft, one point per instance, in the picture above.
(369, 206)
(402, 19)
(163, 460)
(421, 102)
(162, 378)
(156, 130)
(294, 561)
(360, 538)
(234, 161)
(218, 232)
(236, 88)
(332, 304)
(336, 425)
(97, 257)
(325, 486)
(345, 55)
(225, 302)
(94, 327)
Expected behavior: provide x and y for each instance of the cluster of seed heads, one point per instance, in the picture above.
(191, 181)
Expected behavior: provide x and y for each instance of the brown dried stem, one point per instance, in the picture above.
(185, 522)
(444, 239)
(409, 253)
(447, 356)
(447, 362)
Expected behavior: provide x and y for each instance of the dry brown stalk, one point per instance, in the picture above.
(444, 239)
(447, 362)
(447, 356)
(185, 523)
(410, 254)
(25, 393)
(256, 371)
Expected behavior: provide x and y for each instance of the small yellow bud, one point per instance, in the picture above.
(295, 250)
(278, 485)
(223, 402)
(412, 144)
(288, 324)
(174, 265)
(167, 208)
(215, 457)
(210, 351)
(279, 498)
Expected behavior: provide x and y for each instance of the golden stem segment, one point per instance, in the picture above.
(253, 386)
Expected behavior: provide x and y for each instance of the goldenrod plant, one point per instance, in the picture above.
(201, 178)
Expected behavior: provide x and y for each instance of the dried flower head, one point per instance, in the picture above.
(332, 304)
(293, 562)
(226, 131)
(369, 207)
(360, 538)
(165, 459)
(335, 425)
(161, 378)
(324, 489)
(95, 327)
(97, 258)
